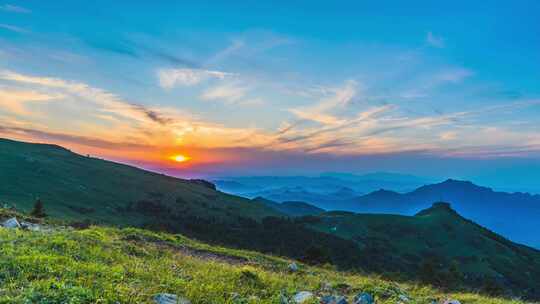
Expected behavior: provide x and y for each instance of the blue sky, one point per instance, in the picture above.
(279, 87)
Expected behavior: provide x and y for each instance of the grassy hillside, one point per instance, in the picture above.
(439, 246)
(109, 265)
(77, 187)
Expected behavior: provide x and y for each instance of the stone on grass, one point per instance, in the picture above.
(31, 226)
(302, 297)
(12, 223)
(363, 298)
(451, 302)
(293, 267)
(168, 298)
(403, 298)
(333, 300)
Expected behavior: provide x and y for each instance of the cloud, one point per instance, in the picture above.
(454, 75)
(141, 50)
(227, 93)
(321, 111)
(169, 78)
(435, 41)
(14, 100)
(14, 9)
(107, 102)
(13, 28)
(63, 137)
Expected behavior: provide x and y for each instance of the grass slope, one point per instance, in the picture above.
(78, 187)
(438, 245)
(109, 265)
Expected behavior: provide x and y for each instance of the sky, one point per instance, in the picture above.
(277, 88)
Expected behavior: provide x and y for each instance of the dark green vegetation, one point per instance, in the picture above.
(437, 246)
(83, 188)
(291, 208)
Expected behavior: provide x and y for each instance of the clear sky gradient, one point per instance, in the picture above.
(442, 89)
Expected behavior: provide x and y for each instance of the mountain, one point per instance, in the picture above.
(292, 208)
(436, 245)
(81, 188)
(322, 200)
(492, 209)
(325, 184)
(399, 179)
(85, 190)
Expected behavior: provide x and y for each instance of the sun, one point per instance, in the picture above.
(180, 158)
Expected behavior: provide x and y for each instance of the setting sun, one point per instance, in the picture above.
(180, 158)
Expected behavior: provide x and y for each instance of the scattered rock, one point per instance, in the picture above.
(283, 299)
(403, 298)
(31, 226)
(302, 297)
(326, 287)
(293, 267)
(12, 223)
(333, 300)
(167, 298)
(451, 302)
(364, 298)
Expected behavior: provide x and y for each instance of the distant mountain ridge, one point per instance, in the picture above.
(326, 183)
(492, 209)
(291, 208)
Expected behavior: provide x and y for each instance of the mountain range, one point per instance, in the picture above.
(436, 245)
(493, 209)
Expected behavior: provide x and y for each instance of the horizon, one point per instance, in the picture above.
(356, 88)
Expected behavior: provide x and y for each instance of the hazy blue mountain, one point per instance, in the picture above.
(495, 210)
(320, 189)
(291, 208)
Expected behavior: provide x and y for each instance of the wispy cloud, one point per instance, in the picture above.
(435, 41)
(140, 50)
(229, 93)
(169, 78)
(15, 101)
(321, 112)
(13, 28)
(14, 9)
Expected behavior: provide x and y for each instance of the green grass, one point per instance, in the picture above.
(110, 265)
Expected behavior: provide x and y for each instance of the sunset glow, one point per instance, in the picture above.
(180, 158)
(249, 97)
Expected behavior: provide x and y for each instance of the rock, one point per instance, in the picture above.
(30, 226)
(283, 299)
(403, 298)
(451, 302)
(293, 267)
(333, 300)
(302, 297)
(363, 298)
(167, 298)
(12, 223)
(326, 287)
